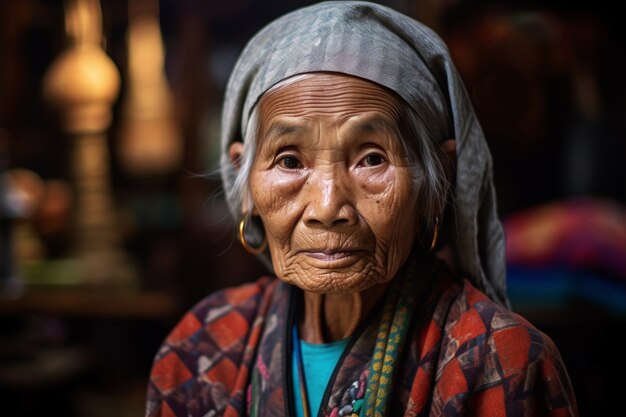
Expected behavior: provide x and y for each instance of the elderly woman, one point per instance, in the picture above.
(357, 169)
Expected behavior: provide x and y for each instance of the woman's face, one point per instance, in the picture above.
(332, 185)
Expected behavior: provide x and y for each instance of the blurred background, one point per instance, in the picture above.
(112, 221)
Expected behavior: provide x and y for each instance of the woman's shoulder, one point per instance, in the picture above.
(232, 307)
(473, 319)
(242, 296)
(472, 314)
(497, 356)
(207, 345)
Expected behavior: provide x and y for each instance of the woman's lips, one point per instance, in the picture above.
(333, 259)
(327, 255)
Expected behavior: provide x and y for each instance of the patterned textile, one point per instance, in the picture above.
(390, 340)
(464, 355)
(568, 251)
(581, 234)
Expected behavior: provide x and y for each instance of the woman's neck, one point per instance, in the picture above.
(330, 317)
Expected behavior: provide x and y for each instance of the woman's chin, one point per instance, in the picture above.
(323, 279)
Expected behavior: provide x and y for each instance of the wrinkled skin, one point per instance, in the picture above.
(331, 183)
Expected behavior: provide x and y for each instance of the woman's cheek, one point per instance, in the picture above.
(275, 196)
(272, 189)
(377, 195)
(374, 183)
(387, 204)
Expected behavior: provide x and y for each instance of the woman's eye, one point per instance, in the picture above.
(289, 162)
(373, 160)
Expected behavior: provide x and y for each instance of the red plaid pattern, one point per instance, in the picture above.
(467, 356)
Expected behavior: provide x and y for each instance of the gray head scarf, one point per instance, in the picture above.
(376, 43)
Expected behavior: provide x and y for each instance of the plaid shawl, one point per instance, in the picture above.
(464, 355)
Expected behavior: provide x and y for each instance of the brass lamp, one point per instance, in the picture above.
(83, 84)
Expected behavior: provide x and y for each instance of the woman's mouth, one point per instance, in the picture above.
(332, 259)
(329, 255)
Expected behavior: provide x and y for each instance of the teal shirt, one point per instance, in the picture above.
(319, 362)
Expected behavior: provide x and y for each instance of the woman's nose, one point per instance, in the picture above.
(329, 201)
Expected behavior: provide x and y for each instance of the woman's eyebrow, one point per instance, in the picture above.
(370, 124)
(279, 129)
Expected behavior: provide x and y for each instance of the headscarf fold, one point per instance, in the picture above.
(378, 44)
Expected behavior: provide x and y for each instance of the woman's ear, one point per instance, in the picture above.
(449, 147)
(235, 153)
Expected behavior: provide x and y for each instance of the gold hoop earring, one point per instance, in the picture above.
(435, 235)
(254, 251)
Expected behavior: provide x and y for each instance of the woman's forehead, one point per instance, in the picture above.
(328, 95)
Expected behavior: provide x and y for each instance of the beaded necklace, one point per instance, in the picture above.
(399, 303)
(390, 338)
